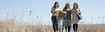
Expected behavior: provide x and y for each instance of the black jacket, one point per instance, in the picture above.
(68, 15)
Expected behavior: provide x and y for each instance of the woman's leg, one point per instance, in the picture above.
(69, 27)
(57, 23)
(75, 27)
(66, 28)
(57, 27)
(54, 27)
(62, 28)
(53, 22)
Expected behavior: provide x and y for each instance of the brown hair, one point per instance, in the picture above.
(74, 5)
(55, 5)
(67, 4)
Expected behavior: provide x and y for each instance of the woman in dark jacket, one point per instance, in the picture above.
(67, 18)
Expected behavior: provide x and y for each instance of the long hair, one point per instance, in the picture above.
(67, 4)
(74, 5)
(55, 5)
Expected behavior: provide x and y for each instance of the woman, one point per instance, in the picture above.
(67, 18)
(54, 18)
(75, 19)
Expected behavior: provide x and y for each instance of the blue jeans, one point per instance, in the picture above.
(55, 23)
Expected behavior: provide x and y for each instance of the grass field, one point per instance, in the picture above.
(13, 26)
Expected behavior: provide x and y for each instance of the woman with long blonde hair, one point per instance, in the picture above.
(67, 18)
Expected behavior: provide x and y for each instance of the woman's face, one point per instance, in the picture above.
(68, 5)
(56, 5)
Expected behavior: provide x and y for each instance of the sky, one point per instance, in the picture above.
(93, 11)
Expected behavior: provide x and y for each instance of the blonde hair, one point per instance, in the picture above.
(67, 4)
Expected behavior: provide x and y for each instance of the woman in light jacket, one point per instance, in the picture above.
(75, 19)
(67, 18)
(54, 18)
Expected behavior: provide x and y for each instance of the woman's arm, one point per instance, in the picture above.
(72, 12)
(79, 11)
(52, 10)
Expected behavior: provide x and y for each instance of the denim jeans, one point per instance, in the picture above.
(55, 22)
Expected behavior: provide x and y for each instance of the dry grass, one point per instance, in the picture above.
(91, 28)
(11, 26)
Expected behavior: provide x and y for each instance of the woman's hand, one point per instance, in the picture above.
(78, 12)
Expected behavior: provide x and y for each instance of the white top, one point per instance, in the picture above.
(55, 11)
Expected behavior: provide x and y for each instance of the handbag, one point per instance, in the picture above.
(79, 16)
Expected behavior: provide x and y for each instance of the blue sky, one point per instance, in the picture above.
(92, 10)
